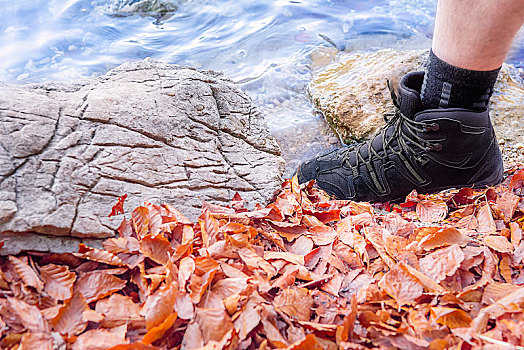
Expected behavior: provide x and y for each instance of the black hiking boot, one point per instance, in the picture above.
(426, 150)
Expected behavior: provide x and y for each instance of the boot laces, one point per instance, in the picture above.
(409, 145)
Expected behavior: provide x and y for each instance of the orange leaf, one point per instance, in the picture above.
(432, 210)
(118, 310)
(451, 317)
(508, 203)
(401, 286)
(156, 248)
(441, 263)
(37, 341)
(159, 306)
(485, 219)
(118, 208)
(98, 339)
(58, 281)
(213, 323)
(322, 235)
(134, 346)
(289, 257)
(205, 269)
(29, 315)
(69, 319)
(26, 273)
(498, 243)
(309, 343)
(98, 255)
(294, 302)
(254, 261)
(158, 332)
(96, 285)
(517, 180)
(140, 219)
(443, 237)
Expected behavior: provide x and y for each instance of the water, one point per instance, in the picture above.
(264, 45)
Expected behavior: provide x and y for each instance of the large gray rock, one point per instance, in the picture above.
(146, 129)
(351, 91)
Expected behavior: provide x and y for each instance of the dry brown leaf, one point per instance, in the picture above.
(159, 306)
(156, 248)
(432, 210)
(308, 343)
(205, 269)
(254, 261)
(134, 346)
(58, 281)
(498, 243)
(97, 285)
(495, 291)
(289, 257)
(157, 332)
(451, 317)
(443, 237)
(249, 318)
(29, 315)
(322, 235)
(485, 220)
(442, 263)
(98, 255)
(36, 341)
(69, 319)
(208, 319)
(295, 303)
(118, 310)
(98, 339)
(26, 273)
(401, 286)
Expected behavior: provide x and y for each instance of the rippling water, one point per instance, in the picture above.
(264, 45)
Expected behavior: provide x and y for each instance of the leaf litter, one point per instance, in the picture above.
(306, 272)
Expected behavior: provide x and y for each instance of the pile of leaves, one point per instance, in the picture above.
(305, 272)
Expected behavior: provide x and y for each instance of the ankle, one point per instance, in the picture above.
(447, 86)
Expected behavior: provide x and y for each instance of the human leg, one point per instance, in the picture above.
(430, 148)
(471, 40)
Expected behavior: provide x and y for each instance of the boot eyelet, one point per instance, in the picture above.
(437, 147)
(434, 127)
(317, 169)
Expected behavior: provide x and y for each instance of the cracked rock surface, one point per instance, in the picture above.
(150, 130)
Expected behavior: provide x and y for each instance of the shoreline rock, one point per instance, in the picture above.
(147, 129)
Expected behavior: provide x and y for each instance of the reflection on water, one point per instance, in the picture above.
(264, 45)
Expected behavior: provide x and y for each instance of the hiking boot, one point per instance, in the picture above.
(424, 150)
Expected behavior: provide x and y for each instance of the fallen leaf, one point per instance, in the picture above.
(498, 243)
(401, 286)
(97, 285)
(118, 208)
(26, 273)
(58, 281)
(451, 317)
(432, 210)
(295, 303)
(69, 319)
(442, 263)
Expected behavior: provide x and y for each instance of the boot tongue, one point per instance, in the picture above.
(409, 94)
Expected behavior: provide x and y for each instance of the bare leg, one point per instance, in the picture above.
(476, 34)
